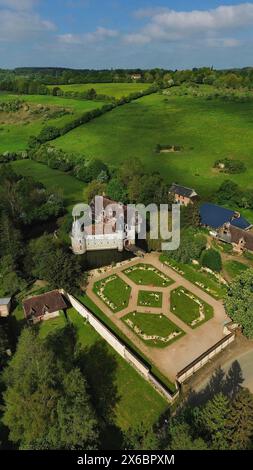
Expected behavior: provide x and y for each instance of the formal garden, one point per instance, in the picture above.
(150, 299)
(148, 275)
(154, 329)
(190, 308)
(114, 292)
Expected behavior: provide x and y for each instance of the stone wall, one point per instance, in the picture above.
(194, 366)
(120, 347)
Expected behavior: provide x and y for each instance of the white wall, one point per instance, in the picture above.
(118, 346)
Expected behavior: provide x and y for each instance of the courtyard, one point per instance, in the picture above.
(168, 319)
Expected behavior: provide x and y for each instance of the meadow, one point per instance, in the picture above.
(206, 130)
(70, 187)
(115, 90)
(14, 135)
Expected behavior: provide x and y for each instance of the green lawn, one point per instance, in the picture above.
(154, 329)
(116, 90)
(204, 281)
(85, 300)
(14, 137)
(147, 275)
(150, 299)
(71, 188)
(187, 307)
(131, 387)
(234, 268)
(114, 292)
(176, 120)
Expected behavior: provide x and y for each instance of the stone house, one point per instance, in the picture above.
(44, 307)
(5, 306)
(183, 195)
(240, 239)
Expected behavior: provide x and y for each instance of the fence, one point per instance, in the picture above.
(194, 366)
(120, 347)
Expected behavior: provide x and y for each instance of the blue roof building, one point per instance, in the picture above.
(215, 217)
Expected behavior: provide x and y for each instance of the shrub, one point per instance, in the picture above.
(211, 259)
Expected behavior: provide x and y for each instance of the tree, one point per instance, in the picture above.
(94, 169)
(212, 259)
(240, 421)
(190, 216)
(76, 424)
(141, 438)
(10, 239)
(11, 280)
(191, 247)
(214, 417)
(116, 191)
(239, 301)
(45, 406)
(54, 264)
(95, 188)
(229, 192)
(181, 438)
(4, 344)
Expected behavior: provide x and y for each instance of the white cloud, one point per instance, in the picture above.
(16, 26)
(100, 34)
(174, 25)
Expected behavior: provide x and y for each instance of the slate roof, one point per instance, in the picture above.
(5, 301)
(46, 303)
(182, 190)
(215, 216)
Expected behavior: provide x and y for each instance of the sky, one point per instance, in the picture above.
(173, 34)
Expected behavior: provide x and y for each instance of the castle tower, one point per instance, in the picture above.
(78, 239)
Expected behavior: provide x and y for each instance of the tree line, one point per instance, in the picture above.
(74, 410)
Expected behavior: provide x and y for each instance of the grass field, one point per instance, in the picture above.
(234, 268)
(14, 136)
(72, 189)
(207, 130)
(150, 299)
(131, 387)
(116, 90)
(155, 330)
(114, 292)
(147, 275)
(187, 307)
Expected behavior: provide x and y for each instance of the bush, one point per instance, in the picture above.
(211, 259)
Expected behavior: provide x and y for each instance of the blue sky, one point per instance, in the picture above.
(126, 33)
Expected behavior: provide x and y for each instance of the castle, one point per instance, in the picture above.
(112, 227)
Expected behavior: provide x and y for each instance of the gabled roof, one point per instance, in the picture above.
(46, 303)
(237, 234)
(182, 190)
(215, 216)
(5, 301)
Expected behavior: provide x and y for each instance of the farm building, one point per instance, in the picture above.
(5, 306)
(240, 239)
(44, 307)
(136, 76)
(214, 216)
(183, 195)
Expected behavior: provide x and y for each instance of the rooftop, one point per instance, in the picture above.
(46, 303)
(5, 301)
(182, 190)
(215, 216)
